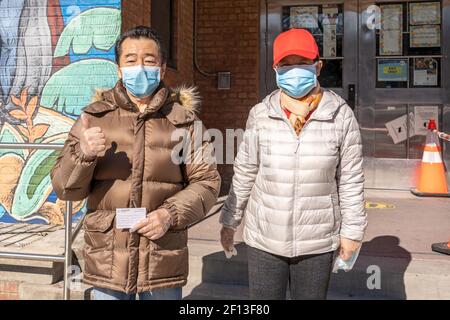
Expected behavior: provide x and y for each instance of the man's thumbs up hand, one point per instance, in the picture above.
(92, 140)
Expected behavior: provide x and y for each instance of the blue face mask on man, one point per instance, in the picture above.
(141, 81)
(298, 80)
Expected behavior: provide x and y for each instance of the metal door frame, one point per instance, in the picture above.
(270, 15)
(367, 65)
(359, 68)
(400, 173)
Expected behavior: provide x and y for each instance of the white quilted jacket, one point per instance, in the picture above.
(298, 194)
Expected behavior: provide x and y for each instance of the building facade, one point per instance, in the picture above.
(388, 59)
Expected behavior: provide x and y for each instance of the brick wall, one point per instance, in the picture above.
(228, 35)
(227, 40)
(138, 12)
(184, 72)
(9, 290)
(135, 13)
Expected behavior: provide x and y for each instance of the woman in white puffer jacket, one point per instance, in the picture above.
(298, 180)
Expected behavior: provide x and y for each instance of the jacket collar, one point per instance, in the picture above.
(326, 109)
(117, 97)
(122, 100)
(180, 105)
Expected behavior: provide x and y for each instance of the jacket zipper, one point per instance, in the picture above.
(297, 167)
(297, 137)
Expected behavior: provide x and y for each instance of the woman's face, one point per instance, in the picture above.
(294, 60)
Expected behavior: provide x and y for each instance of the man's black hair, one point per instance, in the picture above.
(137, 33)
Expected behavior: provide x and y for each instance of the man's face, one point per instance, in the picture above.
(140, 51)
(294, 60)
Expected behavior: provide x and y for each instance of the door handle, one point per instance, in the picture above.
(351, 96)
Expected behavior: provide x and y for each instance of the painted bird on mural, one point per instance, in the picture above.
(10, 12)
(53, 56)
(27, 39)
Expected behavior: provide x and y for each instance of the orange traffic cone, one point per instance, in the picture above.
(432, 178)
(441, 247)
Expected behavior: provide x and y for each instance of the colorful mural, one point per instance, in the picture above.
(54, 54)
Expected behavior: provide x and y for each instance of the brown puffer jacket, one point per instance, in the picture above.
(137, 170)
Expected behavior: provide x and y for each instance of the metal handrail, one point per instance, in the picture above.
(69, 236)
(35, 146)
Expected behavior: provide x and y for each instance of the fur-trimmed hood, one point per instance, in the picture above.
(188, 97)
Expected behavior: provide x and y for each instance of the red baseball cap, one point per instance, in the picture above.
(298, 42)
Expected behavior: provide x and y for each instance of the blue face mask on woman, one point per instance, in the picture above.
(298, 80)
(141, 81)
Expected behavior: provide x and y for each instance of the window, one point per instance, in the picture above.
(409, 45)
(164, 19)
(326, 23)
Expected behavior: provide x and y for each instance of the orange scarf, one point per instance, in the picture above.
(299, 109)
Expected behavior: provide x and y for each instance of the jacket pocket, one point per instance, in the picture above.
(172, 240)
(165, 264)
(99, 243)
(336, 216)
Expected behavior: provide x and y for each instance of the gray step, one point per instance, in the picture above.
(210, 265)
(399, 278)
(215, 291)
(31, 291)
(31, 239)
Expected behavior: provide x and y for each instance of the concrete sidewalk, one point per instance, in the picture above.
(416, 222)
(398, 241)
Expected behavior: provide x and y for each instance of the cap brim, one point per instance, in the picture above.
(301, 53)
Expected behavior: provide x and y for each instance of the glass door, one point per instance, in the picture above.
(333, 24)
(388, 59)
(402, 63)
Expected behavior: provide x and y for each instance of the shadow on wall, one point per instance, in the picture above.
(229, 277)
(378, 274)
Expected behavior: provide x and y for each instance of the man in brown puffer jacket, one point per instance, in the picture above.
(123, 153)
